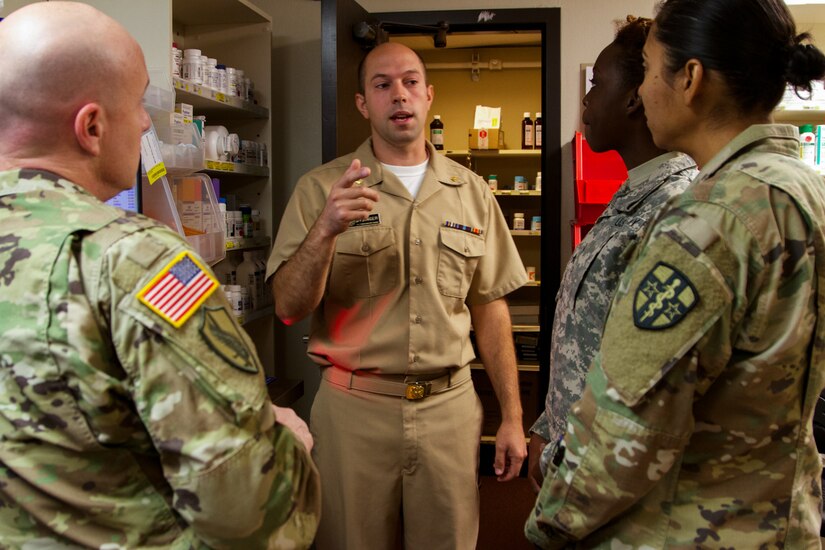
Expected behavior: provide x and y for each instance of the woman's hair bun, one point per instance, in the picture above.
(805, 63)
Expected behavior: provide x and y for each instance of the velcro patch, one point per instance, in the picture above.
(663, 298)
(635, 358)
(222, 335)
(178, 290)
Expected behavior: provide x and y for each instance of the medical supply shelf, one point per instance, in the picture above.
(236, 169)
(211, 102)
(239, 34)
(506, 164)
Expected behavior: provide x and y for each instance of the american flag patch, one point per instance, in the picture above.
(176, 292)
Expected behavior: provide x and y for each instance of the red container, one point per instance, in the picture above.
(597, 176)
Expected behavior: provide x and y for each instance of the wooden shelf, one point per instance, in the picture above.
(285, 391)
(809, 116)
(526, 328)
(514, 193)
(488, 153)
(524, 233)
(524, 366)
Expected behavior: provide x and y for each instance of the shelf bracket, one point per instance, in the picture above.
(475, 71)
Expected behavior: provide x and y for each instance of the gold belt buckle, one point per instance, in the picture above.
(417, 390)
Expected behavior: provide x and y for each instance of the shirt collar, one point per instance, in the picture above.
(639, 175)
(444, 171)
(786, 141)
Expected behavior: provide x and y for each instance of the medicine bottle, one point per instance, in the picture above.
(518, 221)
(177, 59)
(520, 184)
(204, 67)
(191, 69)
(492, 180)
(231, 82)
(210, 76)
(437, 132)
(240, 89)
(527, 132)
(538, 181)
(535, 223)
(537, 132)
(220, 71)
(807, 144)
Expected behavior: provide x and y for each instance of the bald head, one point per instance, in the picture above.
(386, 47)
(58, 56)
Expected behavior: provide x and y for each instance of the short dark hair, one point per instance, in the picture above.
(630, 39)
(362, 77)
(752, 43)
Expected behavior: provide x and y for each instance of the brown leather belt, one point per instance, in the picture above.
(413, 390)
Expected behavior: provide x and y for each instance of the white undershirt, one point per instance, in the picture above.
(410, 176)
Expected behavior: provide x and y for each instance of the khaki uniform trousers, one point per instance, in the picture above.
(387, 461)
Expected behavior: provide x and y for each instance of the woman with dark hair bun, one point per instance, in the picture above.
(614, 120)
(694, 428)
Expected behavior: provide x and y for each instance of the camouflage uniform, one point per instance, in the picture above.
(118, 430)
(694, 429)
(590, 280)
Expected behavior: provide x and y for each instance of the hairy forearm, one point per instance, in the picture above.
(494, 338)
(299, 284)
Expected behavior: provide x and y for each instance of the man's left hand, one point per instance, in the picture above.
(511, 450)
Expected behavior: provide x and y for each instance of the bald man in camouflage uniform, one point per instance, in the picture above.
(121, 426)
(694, 429)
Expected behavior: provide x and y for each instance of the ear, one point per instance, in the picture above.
(634, 102)
(692, 80)
(430, 95)
(361, 105)
(89, 123)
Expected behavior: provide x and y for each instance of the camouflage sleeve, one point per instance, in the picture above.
(239, 478)
(542, 426)
(635, 415)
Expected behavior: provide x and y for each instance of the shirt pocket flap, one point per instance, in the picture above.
(461, 242)
(672, 300)
(365, 242)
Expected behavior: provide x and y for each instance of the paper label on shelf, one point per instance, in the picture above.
(220, 96)
(151, 157)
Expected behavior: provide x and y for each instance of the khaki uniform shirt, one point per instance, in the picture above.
(694, 429)
(396, 299)
(118, 430)
(590, 281)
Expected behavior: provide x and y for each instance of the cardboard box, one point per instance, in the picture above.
(483, 139)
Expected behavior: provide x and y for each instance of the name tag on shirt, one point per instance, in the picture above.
(372, 219)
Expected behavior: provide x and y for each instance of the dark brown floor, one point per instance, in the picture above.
(504, 509)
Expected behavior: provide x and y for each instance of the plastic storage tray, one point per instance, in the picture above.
(180, 144)
(187, 204)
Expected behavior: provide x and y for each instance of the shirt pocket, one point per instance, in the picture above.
(458, 256)
(366, 263)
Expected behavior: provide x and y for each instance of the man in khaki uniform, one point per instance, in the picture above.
(130, 417)
(395, 251)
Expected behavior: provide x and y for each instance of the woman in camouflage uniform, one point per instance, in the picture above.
(694, 428)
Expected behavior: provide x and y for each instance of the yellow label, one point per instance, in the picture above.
(156, 173)
(220, 96)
